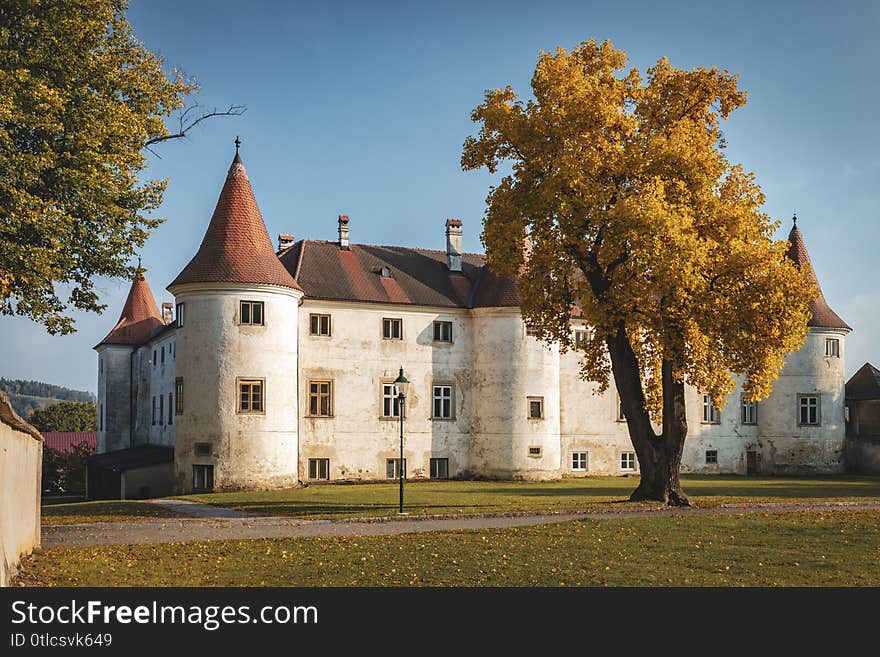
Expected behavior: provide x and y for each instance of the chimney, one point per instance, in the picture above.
(453, 244)
(285, 241)
(167, 312)
(343, 232)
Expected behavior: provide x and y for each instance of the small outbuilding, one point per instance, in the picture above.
(863, 421)
(138, 472)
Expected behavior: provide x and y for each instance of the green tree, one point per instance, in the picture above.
(80, 100)
(621, 203)
(66, 416)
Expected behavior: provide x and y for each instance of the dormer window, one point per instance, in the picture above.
(385, 272)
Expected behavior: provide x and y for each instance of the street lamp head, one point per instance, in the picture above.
(402, 384)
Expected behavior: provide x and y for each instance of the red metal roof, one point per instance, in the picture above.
(140, 317)
(236, 247)
(65, 441)
(822, 315)
(415, 276)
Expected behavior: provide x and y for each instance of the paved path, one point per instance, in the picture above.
(208, 525)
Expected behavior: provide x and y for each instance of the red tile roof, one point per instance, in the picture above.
(823, 316)
(140, 317)
(65, 441)
(236, 247)
(417, 276)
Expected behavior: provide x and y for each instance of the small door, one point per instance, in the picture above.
(751, 463)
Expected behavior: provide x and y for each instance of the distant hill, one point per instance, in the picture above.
(26, 396)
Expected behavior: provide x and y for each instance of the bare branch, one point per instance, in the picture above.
(185, 125)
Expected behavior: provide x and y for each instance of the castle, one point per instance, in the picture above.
(279, 366)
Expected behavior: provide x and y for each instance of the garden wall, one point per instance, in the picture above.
(21, 456)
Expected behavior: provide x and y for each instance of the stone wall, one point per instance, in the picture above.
(21, 457)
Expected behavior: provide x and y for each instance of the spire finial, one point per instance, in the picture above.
(794, 219)
(237, 144)
(139, 263)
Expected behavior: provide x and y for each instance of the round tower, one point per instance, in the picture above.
(117, 394)
(801, 425)
(515, 414)
(236, 426)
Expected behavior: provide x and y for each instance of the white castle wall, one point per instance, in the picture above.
(508, 368)
(114, 394)
(213, 350)
(357, 360)
(589, 421)
(160, 383)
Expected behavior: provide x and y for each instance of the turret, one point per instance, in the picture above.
(139, 320)
(801, 426)
(236, 353)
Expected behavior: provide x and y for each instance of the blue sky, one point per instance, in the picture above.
(361, 109)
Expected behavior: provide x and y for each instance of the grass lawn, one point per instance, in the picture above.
(74, 513)
(458, 497)
(795, 549)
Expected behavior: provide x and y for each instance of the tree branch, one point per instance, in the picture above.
(185, 125)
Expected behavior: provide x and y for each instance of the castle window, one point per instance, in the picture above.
(580, 461)
(390, 402)
(101, 365)
(250, 396)
(442, 402)
(161, 410)
(154, 358)
(439, 468)
(173, 351)
(535, 452)
(711, 456)
(392, 328)
(319, 325)
(319, 469)
(580, 338)
(392, 468)
(178, 398)
(442, 331)
(154, 410)
(170, 408)
(536, 408)
(832, 347)
(621, 416)
(203, 478)
(628, 461)
(711, 415)
(809, 410)
(320, 399)
(202, 449)
(251, 313)
(749, 411)
(101, 418)
(163, 354)
(180, 308)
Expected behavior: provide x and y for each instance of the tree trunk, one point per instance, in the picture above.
(674, 433)
(659, 456)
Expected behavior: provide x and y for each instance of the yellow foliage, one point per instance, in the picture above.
(633, 214)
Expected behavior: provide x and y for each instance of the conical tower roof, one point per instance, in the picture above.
(140, 317)
(822, 315)
(236, 247)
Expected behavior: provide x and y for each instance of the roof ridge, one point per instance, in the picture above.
(395, 246)
(299, 261)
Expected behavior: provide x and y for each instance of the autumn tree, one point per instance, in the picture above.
(80, 100)
(66, 416)
(620, 204)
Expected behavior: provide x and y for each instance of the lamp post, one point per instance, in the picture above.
(401, 383)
